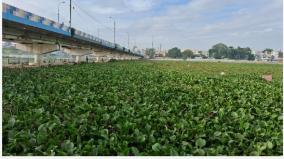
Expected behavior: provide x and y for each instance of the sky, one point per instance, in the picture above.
(193, 24)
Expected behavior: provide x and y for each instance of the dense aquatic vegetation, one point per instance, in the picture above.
(143, 108)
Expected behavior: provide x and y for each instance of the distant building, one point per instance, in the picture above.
(160, 53)
(253, 52)
(198, 53)
(259, 55)
(275, 54)
(267, 56)
(205, 53)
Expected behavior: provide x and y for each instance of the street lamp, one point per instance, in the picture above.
(63, 2)
(128, 40)
(113, 29)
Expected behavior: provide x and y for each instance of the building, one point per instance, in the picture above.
(160, 53)
(198, 53)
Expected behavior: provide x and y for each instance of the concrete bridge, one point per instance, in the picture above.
(39, 36)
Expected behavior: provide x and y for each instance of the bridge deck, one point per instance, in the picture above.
(23, 22)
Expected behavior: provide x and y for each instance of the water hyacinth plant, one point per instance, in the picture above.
(143, 108)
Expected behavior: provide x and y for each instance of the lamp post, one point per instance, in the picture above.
(128, 40)
(70, 3)
(63, 2)
(113, 29)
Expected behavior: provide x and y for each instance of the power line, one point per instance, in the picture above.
(90, 16)
(81, 19)
(96, 20)
(124, 34)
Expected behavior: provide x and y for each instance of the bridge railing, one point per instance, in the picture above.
(82, 35)
(19, 15)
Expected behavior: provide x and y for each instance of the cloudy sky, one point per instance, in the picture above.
(195, 24)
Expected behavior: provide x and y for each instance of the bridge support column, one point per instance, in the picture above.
(77, 60)
(37, 49)
(96, 59)
(37, 59)
(77, 52)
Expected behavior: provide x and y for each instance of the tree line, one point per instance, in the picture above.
(221, 51)
(218, 51)
(174, 53)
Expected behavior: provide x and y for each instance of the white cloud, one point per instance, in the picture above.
(189, 25)
(196, 24)
(140, 5)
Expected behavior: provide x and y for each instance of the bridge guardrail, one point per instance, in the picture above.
(14, 14)
(18, 15)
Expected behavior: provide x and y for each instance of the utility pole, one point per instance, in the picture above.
(63, 2)
(152, 43)
(113, 29)
(128, 40)
(70, 13)
(58, 14)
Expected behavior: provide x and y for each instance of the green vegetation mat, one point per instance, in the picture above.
(143, 108)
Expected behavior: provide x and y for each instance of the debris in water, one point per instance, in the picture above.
(267, 77)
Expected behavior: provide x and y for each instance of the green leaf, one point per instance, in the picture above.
(184, 143)
(135, 151)
(173, 138)
(39, 111)
(235, 115)
(263, 147)
(156, 147)
(106, 116)
(41, 137)
(239, 136)
(68, 146)
(11, 121)
(51, 126)
(200, 142)
(217, 133)
(141, 138)
(269, 145)
(254, 153)
(42, 128)
(199, 152)
(173, 152)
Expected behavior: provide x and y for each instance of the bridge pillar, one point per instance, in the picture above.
(37, 50)
(77, 60)
(77, 52)
(37, 59)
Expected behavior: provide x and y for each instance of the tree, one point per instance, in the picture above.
(231, 53)
(268, 50)
(150, 52)
(187, 54)
(251, 57)
(280, 54)
(272, 58)
(219, 51)
(243, 53)
(174, 53)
